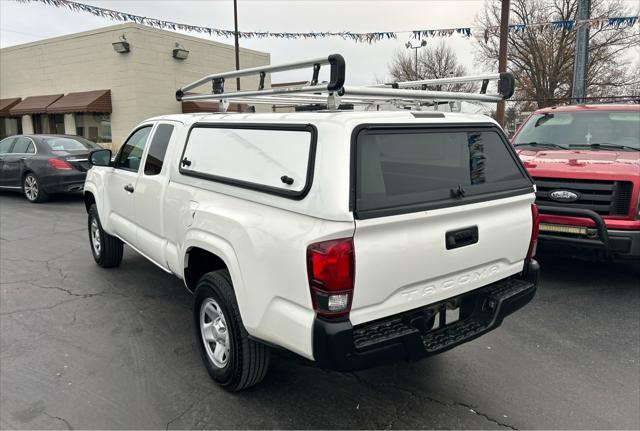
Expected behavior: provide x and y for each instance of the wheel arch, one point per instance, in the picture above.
(205, 252)
(25, 171)
(89, 199)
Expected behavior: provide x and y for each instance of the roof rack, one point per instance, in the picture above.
(334, 93)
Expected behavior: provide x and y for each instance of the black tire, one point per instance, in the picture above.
(247, 361)
(110, 248)
(32, 189)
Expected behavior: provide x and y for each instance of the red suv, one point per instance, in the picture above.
(585, 160)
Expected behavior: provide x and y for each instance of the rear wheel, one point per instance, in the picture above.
(107, 250)
(232, 359)
(33, 190)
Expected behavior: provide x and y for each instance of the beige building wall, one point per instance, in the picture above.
(142, 82)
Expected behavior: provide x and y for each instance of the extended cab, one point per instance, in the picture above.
(585, 160)
(351, 238)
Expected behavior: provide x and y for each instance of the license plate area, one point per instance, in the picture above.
(446, 316)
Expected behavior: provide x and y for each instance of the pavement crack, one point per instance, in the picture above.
(59, 418)
(67, 291)
(484, 415)
(422, 396)
(188, 409)
(47, 307)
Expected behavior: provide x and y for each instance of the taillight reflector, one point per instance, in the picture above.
(60, 165)
(330, 267)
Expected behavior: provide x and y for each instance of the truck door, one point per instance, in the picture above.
(149, 195)
(121, 185)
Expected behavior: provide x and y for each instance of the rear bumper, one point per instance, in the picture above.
(63, 182)
(612, 244)
(342, 347)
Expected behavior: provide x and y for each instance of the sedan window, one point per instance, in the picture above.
(71, 144)
(5, 145)
(21, 145)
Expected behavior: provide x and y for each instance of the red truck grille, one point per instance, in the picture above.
(604, 197)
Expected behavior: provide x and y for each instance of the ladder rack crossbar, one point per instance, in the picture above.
(251, 93)
(442, 81)
(393, 93)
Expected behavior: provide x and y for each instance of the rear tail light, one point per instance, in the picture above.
(60, 165)
(533, 244)
(330, 266)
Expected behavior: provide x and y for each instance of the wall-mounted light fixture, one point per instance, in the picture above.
(122, 46)
(180, 53)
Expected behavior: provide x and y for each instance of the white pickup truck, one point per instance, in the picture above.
(350, 238)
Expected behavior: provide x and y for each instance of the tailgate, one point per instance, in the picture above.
(402, 262)
(439, 211)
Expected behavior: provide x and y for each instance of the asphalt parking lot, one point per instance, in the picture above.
(85, 347)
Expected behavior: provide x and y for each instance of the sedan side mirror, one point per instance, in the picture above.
(100, 157)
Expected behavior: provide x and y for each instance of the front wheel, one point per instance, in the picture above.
(107, 250)
(232, 359)
(33, 189)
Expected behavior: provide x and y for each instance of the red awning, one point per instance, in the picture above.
(85, 101)
(33, 105)
(6, 104)
(191, 106)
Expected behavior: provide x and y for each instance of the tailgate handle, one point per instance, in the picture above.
(461, 237)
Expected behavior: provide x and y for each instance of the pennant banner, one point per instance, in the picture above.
(568, 25)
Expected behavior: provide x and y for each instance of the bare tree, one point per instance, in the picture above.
(542, 58)
(434, 61)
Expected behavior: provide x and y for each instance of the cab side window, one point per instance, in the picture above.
(158, 149)
(5, 145)
(131, 152)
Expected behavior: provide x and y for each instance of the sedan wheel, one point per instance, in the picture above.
(32, 190)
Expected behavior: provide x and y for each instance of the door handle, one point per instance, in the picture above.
(461, 237)
(129, 188)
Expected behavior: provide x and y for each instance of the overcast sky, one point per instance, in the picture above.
(20, 23)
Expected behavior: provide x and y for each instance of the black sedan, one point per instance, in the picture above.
(39, 165)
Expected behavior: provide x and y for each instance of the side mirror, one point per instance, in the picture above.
(100, 157)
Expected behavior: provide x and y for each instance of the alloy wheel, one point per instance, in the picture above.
(95, 237)
(31, 188)
(215, 334)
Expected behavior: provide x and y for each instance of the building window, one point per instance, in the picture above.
(48, 123)
(10, 126)
(94, 126)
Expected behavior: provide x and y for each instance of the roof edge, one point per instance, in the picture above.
(124, 26)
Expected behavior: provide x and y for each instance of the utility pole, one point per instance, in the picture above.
(235, 20)
(579, 86)
(502, 56)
